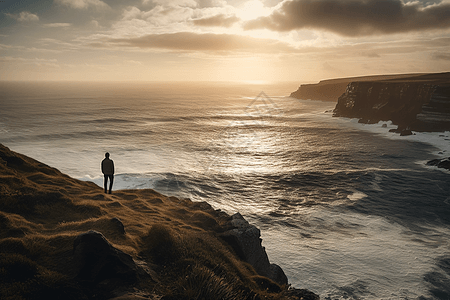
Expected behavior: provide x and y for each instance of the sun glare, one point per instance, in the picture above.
(252, 10)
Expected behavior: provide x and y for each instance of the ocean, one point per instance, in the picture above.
(349, 211)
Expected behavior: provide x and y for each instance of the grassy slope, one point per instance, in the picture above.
(43, 210)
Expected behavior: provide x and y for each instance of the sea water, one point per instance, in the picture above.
(349, 211)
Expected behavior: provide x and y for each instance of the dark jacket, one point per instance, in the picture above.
(107, 166)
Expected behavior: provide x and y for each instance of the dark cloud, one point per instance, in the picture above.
(208, 42)
(217, 20)
(355, 17)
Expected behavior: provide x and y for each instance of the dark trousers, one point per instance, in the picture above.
(111, 180)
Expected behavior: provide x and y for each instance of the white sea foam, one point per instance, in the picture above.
(440, 140)
(357, 195)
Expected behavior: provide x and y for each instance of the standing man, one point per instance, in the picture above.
(108, 171)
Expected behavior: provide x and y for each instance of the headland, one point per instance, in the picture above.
(414, 102)
(62, 238)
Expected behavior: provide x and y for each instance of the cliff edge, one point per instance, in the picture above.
(331, 89)
(62, 238)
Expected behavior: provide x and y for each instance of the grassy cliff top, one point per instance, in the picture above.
(42, 211)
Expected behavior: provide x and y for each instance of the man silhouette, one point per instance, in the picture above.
(108, 171)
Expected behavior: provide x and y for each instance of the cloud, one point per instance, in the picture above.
(441, 56)
(32, 60)
(370, 54)
(182, 3)
(207, 42)
(29, 61)
(55, 25)
(83, 4)
(24, 16)
(355, 18)
(220, 20)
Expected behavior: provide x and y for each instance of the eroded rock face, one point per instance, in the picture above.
(245, 239)
(97, 260)
(399, 102)
(417, 106)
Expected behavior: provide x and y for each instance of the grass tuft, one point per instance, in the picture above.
(200, 282)
(160, 245)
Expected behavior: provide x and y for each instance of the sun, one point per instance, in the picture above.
(252, 9)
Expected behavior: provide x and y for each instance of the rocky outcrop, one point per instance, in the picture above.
(245, 239)
(440, 163)
(420, 103)
(97, 260)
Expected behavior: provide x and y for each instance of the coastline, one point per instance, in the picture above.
(405, 104)
(157, 246)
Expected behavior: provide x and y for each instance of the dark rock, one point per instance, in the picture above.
(384, 126)
(433, 162)
(445, 164)
(246, 242)
(440, 163)
(118, 225)
(277, 274)
(406, 132)
(97, 260)
(300, 294)
(267, 284)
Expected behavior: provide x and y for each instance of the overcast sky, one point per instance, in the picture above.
(237, 40)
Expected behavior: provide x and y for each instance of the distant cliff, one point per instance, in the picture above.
(419, 102)
(331, 89)
(324, 90)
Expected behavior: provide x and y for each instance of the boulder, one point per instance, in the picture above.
(440, 163)
(300, 294)
(97, 260)
(406, 132)
(245, 240)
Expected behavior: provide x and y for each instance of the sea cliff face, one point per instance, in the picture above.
(414, 102)
(411, 105)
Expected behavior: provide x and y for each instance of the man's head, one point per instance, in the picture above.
(107, 155)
